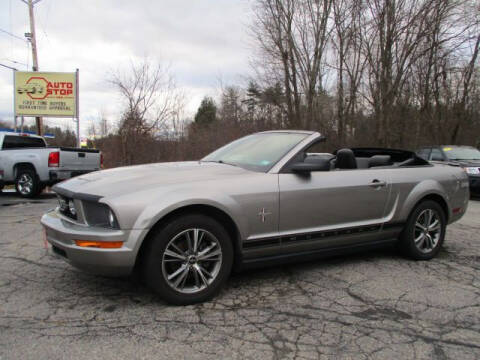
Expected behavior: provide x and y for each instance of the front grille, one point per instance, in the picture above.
(67, 207)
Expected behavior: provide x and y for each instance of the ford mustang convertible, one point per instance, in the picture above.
(266, 198)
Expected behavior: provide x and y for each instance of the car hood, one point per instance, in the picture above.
(466, 163)
(124, 180)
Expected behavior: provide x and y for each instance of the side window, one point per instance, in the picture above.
(436, 155)
(424, 153)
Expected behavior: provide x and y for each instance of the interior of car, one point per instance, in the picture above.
(358, 158)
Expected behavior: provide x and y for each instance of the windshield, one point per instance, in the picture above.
(258, 152)
(462, 153)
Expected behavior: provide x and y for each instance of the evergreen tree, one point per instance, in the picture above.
(207, 112)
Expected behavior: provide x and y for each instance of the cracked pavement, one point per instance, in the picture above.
(374, 305)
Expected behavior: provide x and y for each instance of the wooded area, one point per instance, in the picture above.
(397, 73)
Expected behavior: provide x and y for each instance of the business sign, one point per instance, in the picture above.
(46, 94)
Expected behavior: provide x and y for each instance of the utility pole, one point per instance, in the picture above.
(33, 41)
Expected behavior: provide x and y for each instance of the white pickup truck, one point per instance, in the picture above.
(27, 162)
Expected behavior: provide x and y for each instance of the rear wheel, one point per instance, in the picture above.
(424, 233)
(26, 183)
(188, 260)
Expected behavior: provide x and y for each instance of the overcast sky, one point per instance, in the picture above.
(202, 40)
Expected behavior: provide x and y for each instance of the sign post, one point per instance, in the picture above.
(52, 94)
(76, 109)
(14, 109)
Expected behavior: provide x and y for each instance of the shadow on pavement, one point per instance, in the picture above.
(10, 197)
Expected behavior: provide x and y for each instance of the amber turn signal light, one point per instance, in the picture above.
(99, 244)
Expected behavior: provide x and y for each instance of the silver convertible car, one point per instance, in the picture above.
(266, 198)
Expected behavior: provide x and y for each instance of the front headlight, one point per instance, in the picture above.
(111, 219)
(66, 206)
(72, 209)
(472, 170)
(99, 214)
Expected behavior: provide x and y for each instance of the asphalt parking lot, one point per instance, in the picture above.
(376, 305)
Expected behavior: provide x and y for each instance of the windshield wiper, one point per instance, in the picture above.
(220, 162)
(227, 163)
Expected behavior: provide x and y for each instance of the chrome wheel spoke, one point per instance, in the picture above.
(189, 242)
(434, 226)
(182, 278)
(206, 250)
(197, 239)
(420, 226)
(180, 251)
(175, 255)
(199, 271)
(420, 239)
(210, 256)
(196, 276)
(429, 243)
(428, 218)
(177, 272)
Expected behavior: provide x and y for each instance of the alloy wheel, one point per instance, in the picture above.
(428, 229)
(25, 184)
(192, 260)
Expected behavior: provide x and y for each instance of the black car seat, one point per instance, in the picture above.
(363, 162)
(345, 159)
(380, 160)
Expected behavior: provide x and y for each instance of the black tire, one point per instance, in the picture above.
(155, 270)
(428, 248)
(26, 183)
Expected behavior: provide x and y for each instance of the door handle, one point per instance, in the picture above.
(377, 183)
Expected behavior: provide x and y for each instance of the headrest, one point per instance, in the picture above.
(345, 159)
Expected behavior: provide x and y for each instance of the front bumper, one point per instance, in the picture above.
(62, 233)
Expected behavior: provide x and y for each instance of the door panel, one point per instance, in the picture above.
(334, 199)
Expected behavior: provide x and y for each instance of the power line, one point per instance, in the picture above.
(8, 67)
(14, 61)
(13, 35)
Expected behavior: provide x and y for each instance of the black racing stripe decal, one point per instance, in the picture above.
(318, 235)
(261, 243)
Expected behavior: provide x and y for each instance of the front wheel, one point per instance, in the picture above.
(188, 260)
(424, 232)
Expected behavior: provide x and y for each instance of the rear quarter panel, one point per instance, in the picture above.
(410, 185)
(38, 158)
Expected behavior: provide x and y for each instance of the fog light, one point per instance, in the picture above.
(99, 244)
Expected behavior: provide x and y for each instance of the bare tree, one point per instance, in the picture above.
(350, 64)
(152, 104)
(292, 36)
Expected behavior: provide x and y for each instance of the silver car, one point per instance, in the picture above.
(266, 198)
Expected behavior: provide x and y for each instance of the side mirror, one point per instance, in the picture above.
(304, 168)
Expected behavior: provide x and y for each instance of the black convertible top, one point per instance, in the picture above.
(397, 155)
